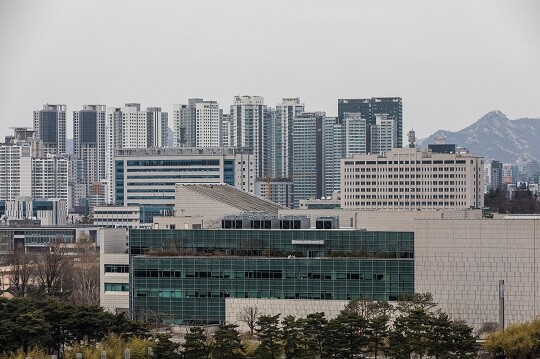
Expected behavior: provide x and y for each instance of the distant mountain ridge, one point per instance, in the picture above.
(495, 137)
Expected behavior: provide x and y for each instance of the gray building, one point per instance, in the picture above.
(89, 143)
(50, 127)
(370, 107)
(314, 154)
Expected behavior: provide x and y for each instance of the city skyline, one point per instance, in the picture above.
(480, 56)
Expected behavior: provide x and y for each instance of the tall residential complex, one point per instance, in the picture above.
(23, 172)
(384, 134)
(356, 134)
(89, 142)
(129, 127)
(313, 140)
(282, 134)
(370, 107)
(50, 127)
(412, 179)
(50, 178)
(252, 129)
(15, 171)
(197, 124)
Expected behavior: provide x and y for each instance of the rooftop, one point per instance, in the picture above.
(233, 197)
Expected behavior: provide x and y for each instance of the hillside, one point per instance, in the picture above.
(494, 136)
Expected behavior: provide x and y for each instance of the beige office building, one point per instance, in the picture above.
(461, 261)
(412, 179)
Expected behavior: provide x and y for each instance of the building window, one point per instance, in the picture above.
(116, 287)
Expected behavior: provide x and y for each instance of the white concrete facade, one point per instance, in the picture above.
(117, 216)
(251, 129)
(381, 220)
(114, 271)
(299, 308)
(412, 179)
(461, 262)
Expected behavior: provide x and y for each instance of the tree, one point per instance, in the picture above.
(291, 337)
(516, 341)
(195, 346)
(464, 343)
(269, 335)
(409, 335)
(248, 316)
(415, 301)
(52, 264)
(21, 271)
(487, 328)
(85, 274)
(165, 348)
(345, 336)
(227, 343)
(313, 327)
(362, 305)
(377, 334)
(53, 325)
(31, 329)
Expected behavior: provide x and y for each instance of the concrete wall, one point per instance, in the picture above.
(380, 220)
(461, 262)
(298, 308)
(192, 204)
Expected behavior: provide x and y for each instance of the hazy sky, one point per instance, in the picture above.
(451, 61)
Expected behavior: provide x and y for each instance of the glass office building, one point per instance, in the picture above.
(184, 276)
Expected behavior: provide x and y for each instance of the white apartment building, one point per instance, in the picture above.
(15, 171)
(252, 129)
(50, 178)
(50, 127)
(197, 124)
(227, 128)
(412, 178)
(356, 129)
(384, 134)
(282, 135)
(22, 174)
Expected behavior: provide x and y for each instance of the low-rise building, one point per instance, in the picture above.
(117, 216)
(186, 276)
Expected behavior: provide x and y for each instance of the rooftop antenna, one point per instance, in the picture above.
(412, 138)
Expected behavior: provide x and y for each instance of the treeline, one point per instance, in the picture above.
(365, 328)
(51, 325)
(54, 272)
(414, 328)
(523, 202)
